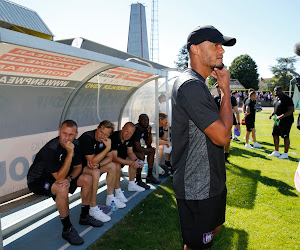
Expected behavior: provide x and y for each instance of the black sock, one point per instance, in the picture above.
(66, 223)
(84, 210)
(149, 172)
(138, 177)
(168, 163)
(226, 156)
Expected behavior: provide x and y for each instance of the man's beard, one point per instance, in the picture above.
(220, 67)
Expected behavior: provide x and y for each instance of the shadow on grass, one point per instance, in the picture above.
(247, 153)
(230, 238)
(151, 224)
(242, 186)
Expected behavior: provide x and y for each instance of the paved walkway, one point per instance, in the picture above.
(46, 232)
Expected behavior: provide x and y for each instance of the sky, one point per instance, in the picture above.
(265, 29)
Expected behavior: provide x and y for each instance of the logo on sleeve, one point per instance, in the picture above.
(207, 237)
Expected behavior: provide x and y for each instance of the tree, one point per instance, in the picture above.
(284, 71)
(182, 58)
(244, 69)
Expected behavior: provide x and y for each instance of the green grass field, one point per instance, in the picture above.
(263, 206)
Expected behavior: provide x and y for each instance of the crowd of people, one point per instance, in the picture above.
(260, 96)
(66, 163)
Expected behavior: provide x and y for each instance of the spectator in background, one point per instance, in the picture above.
(163, 107)
(283, 111)
(250, 110)
(165, 146)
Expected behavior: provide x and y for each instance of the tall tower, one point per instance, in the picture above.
(137, 36)
(154, 36)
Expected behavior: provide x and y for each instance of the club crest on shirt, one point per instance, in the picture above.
(142, 135)
(101, 145)
(207, 237)
(126, 143)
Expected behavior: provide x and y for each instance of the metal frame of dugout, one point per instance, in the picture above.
(43, 83)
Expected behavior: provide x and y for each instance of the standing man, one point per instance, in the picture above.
(96, 148)
(235, 118)
(250, 111)
(283, 109)
(143, 131)
(122, 150)
(199, 134)
(56, 171)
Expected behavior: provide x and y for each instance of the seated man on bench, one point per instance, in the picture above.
(143, 131)
(95, 147)
(57, 171)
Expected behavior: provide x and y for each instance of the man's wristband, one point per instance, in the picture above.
(165, 130)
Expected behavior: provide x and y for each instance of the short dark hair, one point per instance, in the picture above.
(107, 124)
(252, 93)
(143, 115)
(69, 124)
(163, 115)
(234, 92)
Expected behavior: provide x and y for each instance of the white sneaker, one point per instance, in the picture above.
(119, 194)
(257, 145)
(247, 145)
(132, 186)
(99, 215)
(275, 154)
(119, 204)
(283, 156)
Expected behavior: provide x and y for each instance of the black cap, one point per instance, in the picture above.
(208, 33)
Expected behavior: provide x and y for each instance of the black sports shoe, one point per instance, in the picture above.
(89, 220)
(152, 179)
(72, 236)
(164, 175)
(143, 184)
(235, 139)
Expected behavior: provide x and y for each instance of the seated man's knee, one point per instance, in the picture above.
(111, 167)
(59, 191)
(85, 180)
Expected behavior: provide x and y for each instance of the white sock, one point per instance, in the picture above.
(93, 209)
(118, 190)
(110, 196)
(131, 183)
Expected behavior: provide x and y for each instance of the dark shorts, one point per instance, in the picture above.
(250, 125)
(43, 186)
(199, 218)
(282, 130)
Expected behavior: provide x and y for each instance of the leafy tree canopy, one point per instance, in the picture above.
(244, 69)
(182, 58)
(284, 71)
